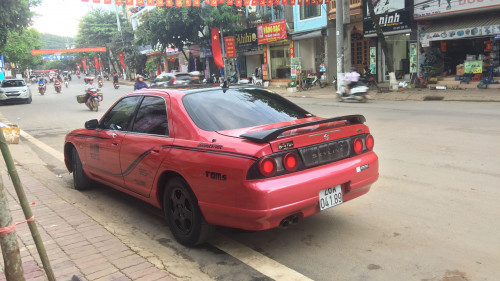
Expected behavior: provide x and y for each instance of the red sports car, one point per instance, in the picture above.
(241, 157)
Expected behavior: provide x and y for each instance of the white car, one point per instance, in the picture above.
(15, 90)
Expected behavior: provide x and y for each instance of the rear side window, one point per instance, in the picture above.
(120, 116)
(152, 117)
(216, 110)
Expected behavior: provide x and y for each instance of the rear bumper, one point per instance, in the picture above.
(263, 204)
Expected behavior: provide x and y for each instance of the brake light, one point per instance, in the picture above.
(357, 145)
(267, 166)
(290, 162)
(369, 142)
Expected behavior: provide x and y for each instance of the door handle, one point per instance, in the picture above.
(113, 135)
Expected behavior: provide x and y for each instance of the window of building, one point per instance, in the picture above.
(310, 11)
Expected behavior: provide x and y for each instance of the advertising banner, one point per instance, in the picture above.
(265, 72)
(413, 58)
(391, 15)
(428, 9)
(246, 40)
(296, 66)
(270, 32)
(230, 46)
(79, 50)
(460, 33)
(292, 49)
(59, 57)
(475, 66)
(373, 60)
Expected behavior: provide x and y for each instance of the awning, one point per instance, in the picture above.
(461, 27)
(303, 35)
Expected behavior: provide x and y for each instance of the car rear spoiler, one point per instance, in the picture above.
(272, 134)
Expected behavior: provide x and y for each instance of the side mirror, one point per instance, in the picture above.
(91, 124)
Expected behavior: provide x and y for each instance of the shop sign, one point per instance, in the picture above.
(461, 33)
(296, 66)
(413, 58)
(292, 49)
(270, 32)
(497, 37)
(391, 15)
(426, 8)
(475, 66)
(265, 72)
(230, 46)
(246, 40)
(373, 60)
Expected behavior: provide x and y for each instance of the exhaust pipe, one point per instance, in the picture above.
(290, 220)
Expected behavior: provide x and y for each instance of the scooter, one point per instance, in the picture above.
(116, 85)
(100, 83)
(368, 78)
(57, 86)
(94, 99)
(358, 93)
(312, 80)
(42, 89)
(66, 83)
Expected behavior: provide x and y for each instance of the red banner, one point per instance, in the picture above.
(178, 3)
(261, 3)
(220, 2)
(97, 1)
(238, 3)
(229, 2)
(196, 3)
(307, 2)
(79, 50)
(96, 63)
(85, 0)
(107, 1)
(129, 2)
(118, 2)
(121, 57)
(270, 2)
(284, 2)
(139, 2)
(292, 49)
(265, 72)
(169, 3)
(187, 3)
(292, 2)
(84, 65)
(213, 3)
(276, 2)
(150, 2)
(230, 46)
(270, 32)
(246, 2)
(216, 52)
(159, 3)
(314, 2)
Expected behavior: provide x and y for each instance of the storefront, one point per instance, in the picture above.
(276, 50)
(311, 49)
(250, 53)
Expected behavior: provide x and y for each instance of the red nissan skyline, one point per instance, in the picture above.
(240, 157)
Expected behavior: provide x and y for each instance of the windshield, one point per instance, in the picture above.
(13, 83)
(214, 110)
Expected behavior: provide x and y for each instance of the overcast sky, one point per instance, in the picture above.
(61, 17)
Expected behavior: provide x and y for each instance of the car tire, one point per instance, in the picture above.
(29, 100)
(183, 214)
(80, 179)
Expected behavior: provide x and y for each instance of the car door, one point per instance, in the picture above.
(146, 145)
(103, 153)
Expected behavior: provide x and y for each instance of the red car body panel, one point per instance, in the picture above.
(216, 165)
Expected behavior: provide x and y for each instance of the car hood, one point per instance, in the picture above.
(14, 89)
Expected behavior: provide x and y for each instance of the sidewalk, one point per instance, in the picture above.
(76, 244)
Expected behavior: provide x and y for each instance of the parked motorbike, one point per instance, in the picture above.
(116, 85)
(368, 78)
(42, 89)
(94, 99)
(358, 93)
(312, 80)
(57, 86)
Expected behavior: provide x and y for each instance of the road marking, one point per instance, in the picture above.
(254, 259)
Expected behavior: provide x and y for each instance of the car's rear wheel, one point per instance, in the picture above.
(80, 179)
(183, 214)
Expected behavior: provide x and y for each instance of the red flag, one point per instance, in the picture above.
(307, 2)
(84, 64)
(300, 2)
(238, 3)
(216, 52)
(320, 2)
(229, 2)
(213, 3)
(261, 3)
(246, 2)
(178, 3)
(269, 2)
(327, 2)
(284, 2)
(220, 2)
(96, 60)
(169, 3)
(196, 3)
(85, 0)
(139, 2)
(207, 2)
(150, 2)
(129, 2)
(159, 3)
(107, 1)
(276, 2)
(118, 2)
(121, 57)
(187, 3)
(97, 1)
(292, 2)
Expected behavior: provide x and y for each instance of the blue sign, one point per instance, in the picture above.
(497, 37)
(59, 57)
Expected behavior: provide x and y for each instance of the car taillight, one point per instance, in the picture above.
(369, 142)
(291, 162)
(357, 146)
(267, 166)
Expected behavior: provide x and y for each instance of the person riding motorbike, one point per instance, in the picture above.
(140, 84)
(351, 79)
(42, 82)
(115, 78)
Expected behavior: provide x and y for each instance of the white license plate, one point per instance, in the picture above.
(330, 197)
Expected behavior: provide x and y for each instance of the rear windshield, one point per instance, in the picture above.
(214, 110)
(13, 83)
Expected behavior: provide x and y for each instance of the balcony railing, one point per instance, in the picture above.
(354, 6)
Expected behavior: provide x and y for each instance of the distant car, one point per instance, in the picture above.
(240, 157)
(13, 90)
(172, 80)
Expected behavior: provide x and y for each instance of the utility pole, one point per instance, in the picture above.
(339, 25)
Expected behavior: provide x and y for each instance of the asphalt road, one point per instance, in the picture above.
(433, 214)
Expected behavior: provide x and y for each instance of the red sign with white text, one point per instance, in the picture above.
(270, 32)
(230, 46)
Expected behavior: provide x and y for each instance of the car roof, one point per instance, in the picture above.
(188, 89)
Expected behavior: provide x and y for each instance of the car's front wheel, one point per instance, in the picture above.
(183, 214)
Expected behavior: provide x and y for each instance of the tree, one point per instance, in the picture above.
(15, 15)
(389, 62)
(19, 46)
(186, 26)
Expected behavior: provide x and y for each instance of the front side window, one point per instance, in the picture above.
(310, 11)
(13, 83)
(120, 116)
(151, 117)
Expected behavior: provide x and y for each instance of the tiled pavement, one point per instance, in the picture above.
(75, 243)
